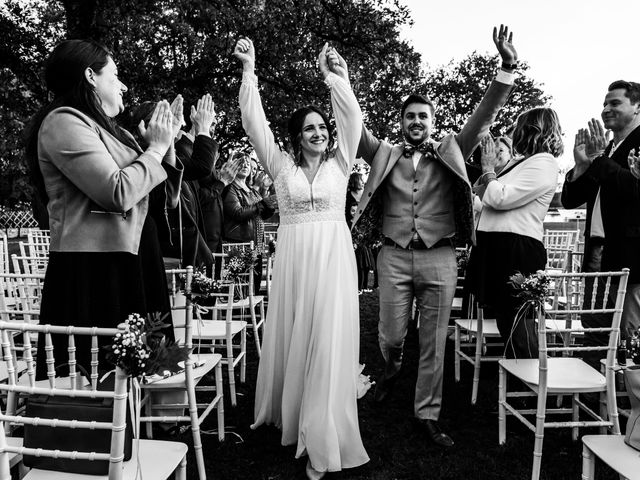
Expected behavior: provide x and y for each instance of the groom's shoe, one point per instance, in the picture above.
(434, 433)
(384, 387)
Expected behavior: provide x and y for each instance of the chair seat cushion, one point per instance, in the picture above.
(564, 374)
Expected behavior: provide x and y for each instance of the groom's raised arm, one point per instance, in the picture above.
(477, 126)
(368, 145)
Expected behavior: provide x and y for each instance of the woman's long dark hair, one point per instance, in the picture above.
(65, 79)
(296, 122)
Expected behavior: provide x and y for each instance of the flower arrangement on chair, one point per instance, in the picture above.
(237, 265)
(462, 258)
(239, 262)
(533, 289)
(202, 287)
(142, 350)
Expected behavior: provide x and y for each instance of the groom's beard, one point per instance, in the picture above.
(406, 133)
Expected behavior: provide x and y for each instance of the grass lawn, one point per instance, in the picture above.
(396, 449)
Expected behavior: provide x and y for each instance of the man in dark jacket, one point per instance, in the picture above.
(601, 178)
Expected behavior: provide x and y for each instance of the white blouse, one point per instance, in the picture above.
(517, 202)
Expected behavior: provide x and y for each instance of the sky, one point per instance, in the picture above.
(575, 49)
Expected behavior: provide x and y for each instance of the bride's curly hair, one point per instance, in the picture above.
(296, 122)
(538, 130)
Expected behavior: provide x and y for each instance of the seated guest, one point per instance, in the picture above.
(510, 230)
(245, 211)
(105, 261)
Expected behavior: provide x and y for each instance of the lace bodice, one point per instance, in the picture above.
(323, 199)
(298, 200)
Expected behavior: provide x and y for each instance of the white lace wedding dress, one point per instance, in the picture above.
(309, 367)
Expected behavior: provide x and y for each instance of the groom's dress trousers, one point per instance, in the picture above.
(417, 260)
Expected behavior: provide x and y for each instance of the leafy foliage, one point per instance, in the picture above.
(165, 47)
(458, 88)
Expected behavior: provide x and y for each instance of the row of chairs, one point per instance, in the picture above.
(558, 371)
(154, 459)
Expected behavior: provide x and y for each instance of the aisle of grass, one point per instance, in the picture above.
(396, 449)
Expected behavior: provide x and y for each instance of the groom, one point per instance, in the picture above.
(426, 210)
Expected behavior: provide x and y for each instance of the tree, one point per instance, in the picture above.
(457, 89)
(29, 31)
(165, 47)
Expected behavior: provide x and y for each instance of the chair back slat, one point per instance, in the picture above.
(607, 297)
(29, 264)
(74, 388)
(561, 239)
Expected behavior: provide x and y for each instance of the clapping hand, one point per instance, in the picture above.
(178, 115)
(245, 52)
(203, 116)
(230, 169)
(580, 156)
(596, 140)
(504, 43)
(489, 154)
(159, 132)
(634, 162)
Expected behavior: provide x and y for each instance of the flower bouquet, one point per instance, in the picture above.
(238, 263)
(462, 259)
(202, 288)
(533, 289)
(142, 350)
(238, 266)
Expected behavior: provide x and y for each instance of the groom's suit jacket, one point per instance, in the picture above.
(450, 153)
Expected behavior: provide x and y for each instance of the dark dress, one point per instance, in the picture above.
(101, 289)
(496, 257)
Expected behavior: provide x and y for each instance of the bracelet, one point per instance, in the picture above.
(509, 66)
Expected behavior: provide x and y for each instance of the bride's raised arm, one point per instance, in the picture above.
(345, 106)
(254, 120)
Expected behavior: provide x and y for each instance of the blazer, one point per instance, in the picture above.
(451, 152)
(619, 203)
(97, 186)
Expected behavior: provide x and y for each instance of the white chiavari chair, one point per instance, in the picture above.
(481, 335)
(249, 302)
(189, 381)
(561, 239)
(29, 264)
(217, 328)
(150, 458)
(566, 375)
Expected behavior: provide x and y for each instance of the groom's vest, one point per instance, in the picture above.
(418, 200)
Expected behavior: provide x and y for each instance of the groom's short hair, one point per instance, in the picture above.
(417, 98)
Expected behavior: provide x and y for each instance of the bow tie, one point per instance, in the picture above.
(408, 150)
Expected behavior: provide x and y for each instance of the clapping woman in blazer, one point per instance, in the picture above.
(105, 261)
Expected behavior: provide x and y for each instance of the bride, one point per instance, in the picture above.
(308, 373)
